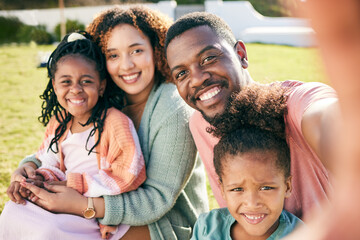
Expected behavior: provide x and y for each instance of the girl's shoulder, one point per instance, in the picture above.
(114, 114)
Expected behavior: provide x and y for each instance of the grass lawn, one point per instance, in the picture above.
(21, 83)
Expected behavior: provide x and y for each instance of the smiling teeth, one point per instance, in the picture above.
(209, 94)
(254, 217)
(77, 101)
(131, 77)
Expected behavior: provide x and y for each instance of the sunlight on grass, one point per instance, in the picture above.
(21, 83)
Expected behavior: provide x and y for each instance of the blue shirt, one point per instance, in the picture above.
(216, 225)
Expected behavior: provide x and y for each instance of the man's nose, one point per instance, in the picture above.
(198, 76)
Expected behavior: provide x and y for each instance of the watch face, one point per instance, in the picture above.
(89, 213)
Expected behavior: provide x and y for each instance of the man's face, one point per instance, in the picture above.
(206, 69)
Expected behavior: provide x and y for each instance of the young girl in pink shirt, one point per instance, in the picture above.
(89, 146)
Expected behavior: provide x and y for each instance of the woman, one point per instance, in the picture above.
(167, 205)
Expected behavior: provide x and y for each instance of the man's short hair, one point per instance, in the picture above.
(196, 19)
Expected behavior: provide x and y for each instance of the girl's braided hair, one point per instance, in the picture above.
(76, 45)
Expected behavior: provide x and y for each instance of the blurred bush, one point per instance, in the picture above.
(12, 30)
(71, 26)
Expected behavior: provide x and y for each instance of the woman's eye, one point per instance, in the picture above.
(136, 51)
(112, 56)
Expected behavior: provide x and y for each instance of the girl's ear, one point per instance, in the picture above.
(221, 188)
(102, 87)
(288, 187)
(53, 84)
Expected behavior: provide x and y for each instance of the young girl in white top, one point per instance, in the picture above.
(89, 145)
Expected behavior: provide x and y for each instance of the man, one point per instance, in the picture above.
(209, 65)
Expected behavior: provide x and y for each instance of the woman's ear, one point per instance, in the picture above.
(240, 50)
(288, 187)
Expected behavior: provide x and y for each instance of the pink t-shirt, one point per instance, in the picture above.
(310, 179)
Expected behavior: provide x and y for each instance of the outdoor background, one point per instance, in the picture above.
(21, 81)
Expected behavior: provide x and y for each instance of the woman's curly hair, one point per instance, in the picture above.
(152, 23)
(261, 106)
(82, 47)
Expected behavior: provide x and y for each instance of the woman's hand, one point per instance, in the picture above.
(57, 198)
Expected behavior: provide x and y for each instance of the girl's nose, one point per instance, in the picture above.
(76, 88)
(252, 199)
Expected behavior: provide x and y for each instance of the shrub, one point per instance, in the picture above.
(9, 27)
(37, 34)
(13, 30)
(71, 26)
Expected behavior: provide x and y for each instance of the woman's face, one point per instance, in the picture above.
(130, 61)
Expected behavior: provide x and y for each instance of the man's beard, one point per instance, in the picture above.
(214, 120)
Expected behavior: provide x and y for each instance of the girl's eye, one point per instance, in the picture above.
(87, 81)
(266, 188)
(237, 190)
(65, 81)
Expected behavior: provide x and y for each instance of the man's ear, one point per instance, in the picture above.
(288, 187)
(240, 50)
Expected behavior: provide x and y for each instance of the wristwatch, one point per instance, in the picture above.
(89, 212)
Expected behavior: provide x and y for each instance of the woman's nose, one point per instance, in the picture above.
(126, 63)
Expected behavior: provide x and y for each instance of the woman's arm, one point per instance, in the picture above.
(172, 158)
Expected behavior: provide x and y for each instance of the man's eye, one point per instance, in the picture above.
(266, 188)
(237, 189)
(180, 75)
(208, 59)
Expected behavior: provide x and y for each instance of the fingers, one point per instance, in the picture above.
(18, 176)
(14, 194)
(23, 172)
(39, 192)
(30, 172)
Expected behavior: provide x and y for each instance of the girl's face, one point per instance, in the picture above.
(130, 61)
(254, 189)
(77, 86)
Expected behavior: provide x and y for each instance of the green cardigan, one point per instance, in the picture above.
(174, 194)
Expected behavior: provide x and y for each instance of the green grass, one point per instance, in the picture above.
(21, 83)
